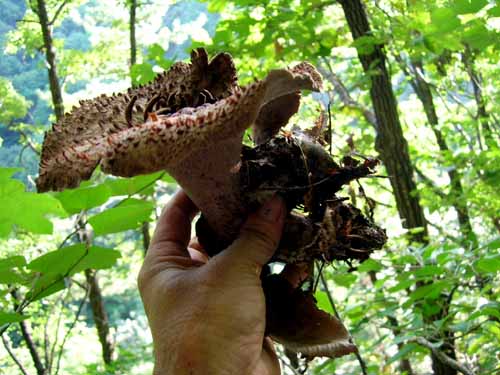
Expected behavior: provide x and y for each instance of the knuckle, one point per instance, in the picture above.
(142, 279)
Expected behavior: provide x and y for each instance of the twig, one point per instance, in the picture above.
(13, 356)
(58, 11)
(68, 332)
(442, 356)
(50, 360)
(361, 361)
(428, 181)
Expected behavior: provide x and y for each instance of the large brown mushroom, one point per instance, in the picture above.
(191, 121)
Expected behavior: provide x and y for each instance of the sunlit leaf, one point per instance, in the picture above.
(142, 184)
(24, 209)
(323, 302)
(129, 215)
(468, 6)
(83, 197)
(444, 20)
(370, 265)
(6, 317)
(405, 350)
(489, 264)
(142, 73)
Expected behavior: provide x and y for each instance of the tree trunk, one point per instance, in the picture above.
(95, 297)
(133, 41)
(50, 55)
(390, 142)
(424, 93)
(100, 316)
(28, 340)
(146, 237)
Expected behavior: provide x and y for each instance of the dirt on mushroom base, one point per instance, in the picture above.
(321, 225)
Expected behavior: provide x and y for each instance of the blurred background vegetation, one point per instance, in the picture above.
(415, 83)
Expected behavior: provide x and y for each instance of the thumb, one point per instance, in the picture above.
(260, 235)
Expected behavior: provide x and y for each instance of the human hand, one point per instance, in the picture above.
(208, 316)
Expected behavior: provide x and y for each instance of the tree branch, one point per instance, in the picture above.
(58, 11)
(68, 332)
(361, 361)
(442, 356)
(35, 356)
(344, 95)
(13, 356)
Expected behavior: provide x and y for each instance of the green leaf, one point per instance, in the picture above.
(468, 6)
(156, 53)
(370, 265)
(431, 291)
(45, 285)
(98, 258)
(10, 277)
(142, 73)
(25, 209)
(8, 274)
(488, 264)
(493, 245)
(429, 270)
(73, 259)
(477, 36)
(444, 20)
(344, 279)
(405, 350)
(143, 184)
(12, 262)
(489, 309)
(6, 317)
(323, 302)
(495, 11)
(402, 285)
(55, 266)
(83, 197)
(129, 215)
(6, 173)
(59, 261)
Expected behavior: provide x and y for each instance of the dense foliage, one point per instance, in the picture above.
(426, 304)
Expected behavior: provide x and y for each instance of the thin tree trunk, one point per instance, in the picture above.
(35, 356)
(390, 142)
(482, 113)
(146, 237)
(424, 93)
(100, 316)
(95, 297)
(96, 300)
(133, 41)
(30, 344)
(50, 55)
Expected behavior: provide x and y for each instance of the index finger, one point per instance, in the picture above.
(173, 230)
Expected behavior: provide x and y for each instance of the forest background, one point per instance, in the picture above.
(414, 83)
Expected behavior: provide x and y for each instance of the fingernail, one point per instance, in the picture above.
(272, 210)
